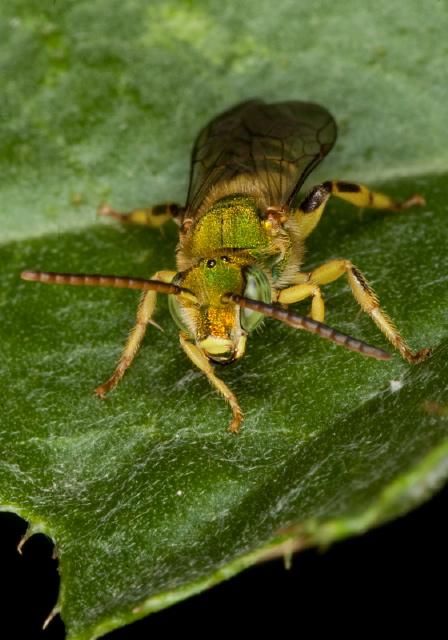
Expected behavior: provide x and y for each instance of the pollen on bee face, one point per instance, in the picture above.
(220, 321)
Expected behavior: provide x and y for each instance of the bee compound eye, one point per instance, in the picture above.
(211, 263)
(257, 288)
(177, 313)
(175, 306)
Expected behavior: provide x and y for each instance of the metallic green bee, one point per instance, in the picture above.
(241, 242)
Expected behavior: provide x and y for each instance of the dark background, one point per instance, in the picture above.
(388, 581)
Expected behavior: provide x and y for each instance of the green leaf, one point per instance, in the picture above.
(147, 496)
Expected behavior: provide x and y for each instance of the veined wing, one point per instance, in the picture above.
(271, 146)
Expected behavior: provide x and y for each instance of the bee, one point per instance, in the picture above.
(241, 241)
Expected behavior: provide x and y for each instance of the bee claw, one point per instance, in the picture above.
(157, 325)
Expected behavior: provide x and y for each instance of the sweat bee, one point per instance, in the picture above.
(241, 241)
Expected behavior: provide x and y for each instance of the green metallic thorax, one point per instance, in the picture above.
(231, 222)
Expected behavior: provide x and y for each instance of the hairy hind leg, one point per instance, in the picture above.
(313, 204)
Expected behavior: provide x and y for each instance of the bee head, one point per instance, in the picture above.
(220, 328)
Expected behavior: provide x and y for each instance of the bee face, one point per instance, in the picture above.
(220, 328)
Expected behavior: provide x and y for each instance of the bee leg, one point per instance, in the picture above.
(299, 292)
(361, 196)
(154, 216)
(312, 206)
(203, 363)
(144, 316)
(365, 296)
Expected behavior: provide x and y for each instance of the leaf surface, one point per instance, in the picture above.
(146, 495)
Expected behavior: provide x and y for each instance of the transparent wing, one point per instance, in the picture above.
(271, 146)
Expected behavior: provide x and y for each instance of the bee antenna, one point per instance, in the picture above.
(51, 277)
(303, 322)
